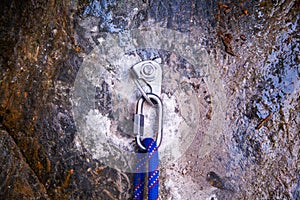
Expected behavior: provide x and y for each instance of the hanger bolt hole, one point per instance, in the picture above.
(148, 69)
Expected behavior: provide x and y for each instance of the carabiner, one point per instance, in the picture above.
(138, 129)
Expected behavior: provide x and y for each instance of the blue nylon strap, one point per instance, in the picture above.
(147, 162)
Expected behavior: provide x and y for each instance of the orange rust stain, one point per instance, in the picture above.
(264, 121)
(34, 118)
(243, 37)
(36, 148)
(227, 11)
(35, 56)
(48, 167)
(66, 183)
(227, 38)
(18, 93)
(99, 169)
(39, 165)
(25, 94)
(77, 48)
(245, 12)
(223, 6)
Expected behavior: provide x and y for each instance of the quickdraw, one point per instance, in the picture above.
(148, 78)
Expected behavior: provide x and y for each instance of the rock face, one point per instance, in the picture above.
(38, 68)
(253, 48)
(18, 180)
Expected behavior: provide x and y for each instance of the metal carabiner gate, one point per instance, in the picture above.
(138, 129)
